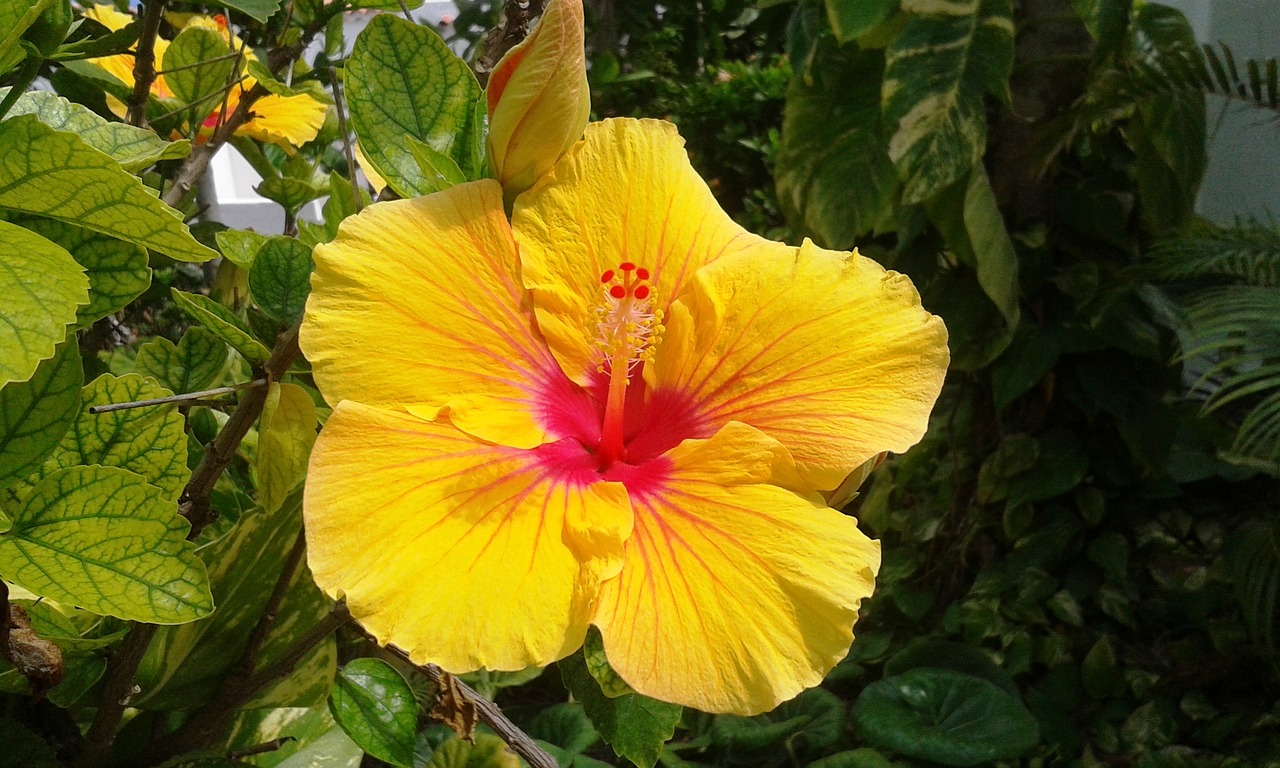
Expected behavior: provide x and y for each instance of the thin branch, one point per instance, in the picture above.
(512, 28)
(96, 409)
(518, 740)
(346, 138)
(119, 687)
(218, 455)
(249, 658)
(144, 62)
(209, 724)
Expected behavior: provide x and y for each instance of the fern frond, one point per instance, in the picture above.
(1207, 70)
(1249, 251)
(1255, 570)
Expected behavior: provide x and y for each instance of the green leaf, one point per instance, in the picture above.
(1029, 358)
(993, 253)
(186, 665)
(35, 414)
(291, 193)
(404, 84)
(41, 286)
(20, 745)
(118, 271)
(280, 278)
(938, 68)
(488, 751)
(258, 10)
(946, 717)
(56, 174)
(946, 654)
(610, 682)
(376, 708)
(223, 323)
(198, 65)
(286, 432)
(341, 202)
(811, 723)
(16, 16)
(634, 725)
(104, 539)
(831, 133)
(132, 147)
(240, 246)
(195, 363)
(566, 726)
(852, 18)
(1061, 465)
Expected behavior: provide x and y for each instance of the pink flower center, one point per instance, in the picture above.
(616, 428)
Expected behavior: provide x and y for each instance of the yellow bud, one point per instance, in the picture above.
(538, 98)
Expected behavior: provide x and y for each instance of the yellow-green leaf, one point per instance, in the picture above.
(148, 441)
(41, 287)
(195, 363)
(198, 64)
(56, 174)
(118, 271)
(134, 148)
(106, 540)
(280, 278)
(35, 414)
(286, 432)
(223, 323)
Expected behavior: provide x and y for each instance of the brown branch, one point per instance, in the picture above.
(218, 455)
(209, 724)
(513, 27)
(258, 637)
(518, 740)
(118, 687)
(144, 62)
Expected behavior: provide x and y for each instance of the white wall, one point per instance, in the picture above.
(1243, 178)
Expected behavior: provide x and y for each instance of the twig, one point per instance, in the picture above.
(346, 138)
(4, 619)
(249, 658)
(260, 749)
(96, 409)
(218, 455)
(512, 28)
(196, 163)
(404, 8)
(117, 690)
(144, 62)
(118, 687)
(209, 723)
(518, 740)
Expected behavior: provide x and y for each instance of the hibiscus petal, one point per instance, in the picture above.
(462, 553)
(289, 121)
(419, 302)
(625, 193)
(824, 351)
(735, 594)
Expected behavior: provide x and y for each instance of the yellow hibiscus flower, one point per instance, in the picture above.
(289, 121)
(617, 408)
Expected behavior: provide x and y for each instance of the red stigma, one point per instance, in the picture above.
(617, 292)
(607, 276)
(642, 273)
(642, 292)
(626, 266)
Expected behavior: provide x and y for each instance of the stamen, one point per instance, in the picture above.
(627, 330)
